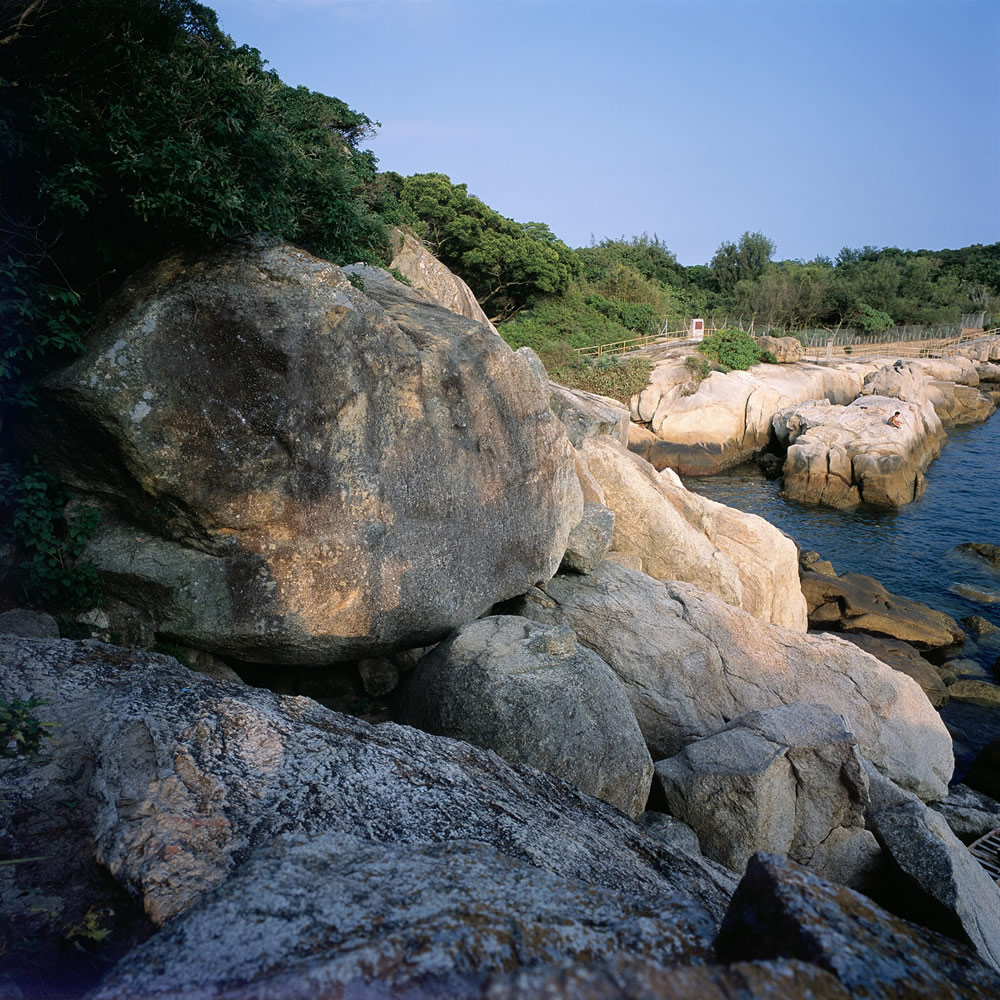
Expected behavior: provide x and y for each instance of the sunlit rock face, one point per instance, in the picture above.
(296, 472)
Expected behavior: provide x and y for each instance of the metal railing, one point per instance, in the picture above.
(624, 346)
(864, 348)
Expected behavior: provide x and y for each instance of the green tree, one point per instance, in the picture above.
(742, 261)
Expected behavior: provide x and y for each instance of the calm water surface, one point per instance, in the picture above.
(911, 551)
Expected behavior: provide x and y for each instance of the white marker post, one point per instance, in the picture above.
(697, 329)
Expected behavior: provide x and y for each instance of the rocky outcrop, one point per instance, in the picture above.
(532, 694)
(783, 911)
(428, 275)
(991, 553)
(856, 603)
(178, 777)
(786, 350)
(934, 877)
(785, 780)
(590, 541)
(903, 657)
(840, 456)
(702, 428)
(968, 813)
(691, 664)
(300, 918)
(297, 471)
(29, 624)
(679, 535)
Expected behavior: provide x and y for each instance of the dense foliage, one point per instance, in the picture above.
(733, 349)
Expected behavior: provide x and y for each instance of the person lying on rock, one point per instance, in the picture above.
(895, 420)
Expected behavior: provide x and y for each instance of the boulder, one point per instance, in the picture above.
(979, 594)
(670, 830)
(978, 625)
(533, 695)
(178, 777)
(855, 603)
(428, 275)
(314, 494)
(991, 553)
(977, 691)
(332, 915)
(587, 414)
(691, 664)
(29, 624)
(957, 405)
(840, 456)
(903, 657)
(590, 540)
(726, 418)
(968, 813)
(956, 370)
(988, 372)
(783, 911)
(786, 780)
(786, 350)
(934, 878)
(679, 535)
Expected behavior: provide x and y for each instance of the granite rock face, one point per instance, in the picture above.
(856, 603)
(783, 911)
(786, 780)
(903, 657)
(300, 918)
(786, 350)
(679, 535)
(935, 880)
(968, 813)
(839, 456)
(700, 429)
(533, 695)
(691, 664)
(184, 776)
(295, 471)
(428, 275)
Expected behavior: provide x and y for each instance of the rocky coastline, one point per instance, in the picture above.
(607, 753)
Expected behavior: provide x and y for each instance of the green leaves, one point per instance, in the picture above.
(732, 348)
(21, 732)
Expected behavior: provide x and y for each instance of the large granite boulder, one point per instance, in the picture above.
(700, 428)
(428, 275)
(786, 350)
(840, 456)
(331, 915)
(532, 694)
(691, 664)
(785, 780)
(177, 777)
(935, 879)
(968, 813)
(856, 603)
(783, 911)
(679, 535)
(297, 471)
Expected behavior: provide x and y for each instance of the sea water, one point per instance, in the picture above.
(911, 551)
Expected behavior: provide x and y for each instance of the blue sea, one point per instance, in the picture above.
(912, 550)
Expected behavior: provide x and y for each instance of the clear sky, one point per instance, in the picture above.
(822, 123)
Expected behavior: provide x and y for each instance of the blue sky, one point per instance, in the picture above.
(822, 123)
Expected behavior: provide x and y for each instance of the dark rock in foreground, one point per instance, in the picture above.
(782, 910)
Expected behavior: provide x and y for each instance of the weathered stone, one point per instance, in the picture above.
(988, 372)
(839, 456)
(591, 539)
(670, 830)
(29, 624)
(968, 813)
(691, 664)
(957, 405)
(314, 494)
(852, 602)
(903, 657)
(533, 695)
(978, 625)
(587, 414)
(983, 595)
(427, 274)
(935, 880)
(679, 535)
(727, 418)
(333, 915)
(181, 776)
(991, 553)
(379, 676)
(785, 780)
(630, 978)
(782, 910)
(786, 350)
(976, 691)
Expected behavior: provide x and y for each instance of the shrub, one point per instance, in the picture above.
(613, 376)
(21, 731)
(733, 348)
